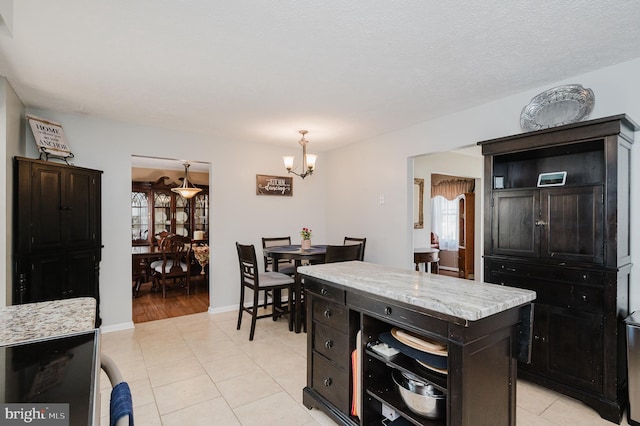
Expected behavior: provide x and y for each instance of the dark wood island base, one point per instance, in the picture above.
(480, 381)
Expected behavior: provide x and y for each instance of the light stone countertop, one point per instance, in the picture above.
(457, 297)
(30, 321)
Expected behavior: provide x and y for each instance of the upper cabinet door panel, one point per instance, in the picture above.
(48, 207)
(514, 223)
(80, 207)
(573, 224)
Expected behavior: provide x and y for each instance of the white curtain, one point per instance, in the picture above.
(444, 222)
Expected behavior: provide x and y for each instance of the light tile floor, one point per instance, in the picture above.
(198, 370)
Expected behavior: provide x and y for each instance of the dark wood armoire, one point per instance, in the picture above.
(58, 233)
(557, 220)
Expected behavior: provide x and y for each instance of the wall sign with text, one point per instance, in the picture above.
(274, 185)
(49, 137)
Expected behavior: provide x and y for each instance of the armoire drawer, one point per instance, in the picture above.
(560, 294)
(519, 270)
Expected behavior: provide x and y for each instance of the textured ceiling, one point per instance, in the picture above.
(258, 70)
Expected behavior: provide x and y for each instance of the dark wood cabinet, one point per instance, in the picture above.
(58, 236)
(569, 243)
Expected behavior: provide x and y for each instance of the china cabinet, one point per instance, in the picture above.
(58, 236)
(557, 221)
(155, 208)
(466, 240)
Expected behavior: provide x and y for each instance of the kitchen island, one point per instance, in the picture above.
(485, 328)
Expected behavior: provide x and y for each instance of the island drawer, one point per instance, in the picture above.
(400, 315)
(331, 343)
(331, 381)
(327, 291)
(330, 313)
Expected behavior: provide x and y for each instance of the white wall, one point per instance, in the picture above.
(11, 133)
(237, 214)
(381, 165)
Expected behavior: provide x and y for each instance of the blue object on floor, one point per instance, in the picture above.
(121, 403)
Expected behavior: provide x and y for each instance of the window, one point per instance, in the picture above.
(444, 221)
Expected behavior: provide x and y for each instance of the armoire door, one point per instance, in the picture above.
(514, 230)
(572, 223)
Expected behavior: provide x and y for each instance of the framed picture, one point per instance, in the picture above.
(274, 185)
(418, 203)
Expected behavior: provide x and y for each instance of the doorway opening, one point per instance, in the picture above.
(157, 211)
(452, 210)
(452, 224)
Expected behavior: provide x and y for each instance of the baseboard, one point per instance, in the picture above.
(117, 327)
(222, 309)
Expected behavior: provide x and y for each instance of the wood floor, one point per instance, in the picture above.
(150, 306)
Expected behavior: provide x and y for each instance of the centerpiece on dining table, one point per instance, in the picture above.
(201, 253)
(306, 239)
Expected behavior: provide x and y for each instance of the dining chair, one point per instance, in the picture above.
(158, 240)
(176, 262)
(251, 278)
(342, 253)
(285, 266)
(355, 240)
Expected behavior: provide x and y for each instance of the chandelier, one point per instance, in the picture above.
(187, 189)
(308, 160)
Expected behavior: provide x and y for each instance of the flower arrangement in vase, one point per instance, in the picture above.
(306, 238)
(201, 253)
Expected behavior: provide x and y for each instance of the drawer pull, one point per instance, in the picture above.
(328, 381)
(323, 291)
(387, 310)
(328, 344)
(327, 313)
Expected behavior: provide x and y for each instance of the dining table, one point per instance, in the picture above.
(315, 254)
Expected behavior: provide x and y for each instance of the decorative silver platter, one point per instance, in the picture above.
(554, 107)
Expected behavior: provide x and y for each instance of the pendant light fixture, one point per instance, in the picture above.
(308, 160)
(187, 189)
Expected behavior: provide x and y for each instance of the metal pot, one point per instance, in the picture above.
(421, 398)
